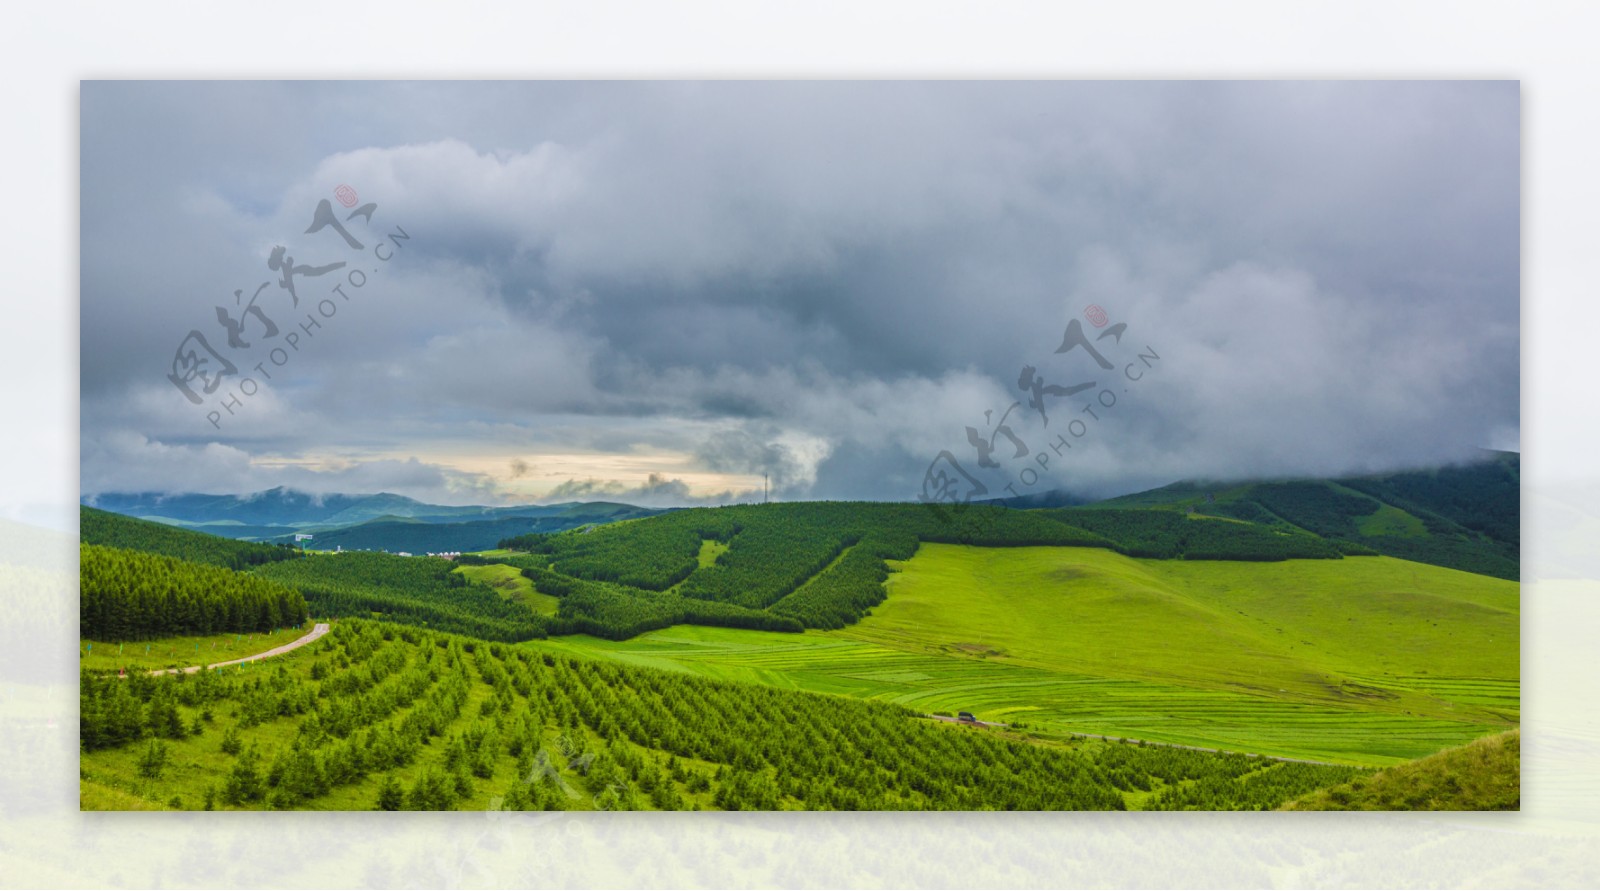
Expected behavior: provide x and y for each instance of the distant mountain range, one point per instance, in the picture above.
(287, 507)
(1463, 516)
(384, 521)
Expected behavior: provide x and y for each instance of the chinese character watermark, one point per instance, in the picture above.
(199, 370)
(948, 487)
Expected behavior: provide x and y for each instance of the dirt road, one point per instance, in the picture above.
(1129, 739)
(320, 629)
(949, 720)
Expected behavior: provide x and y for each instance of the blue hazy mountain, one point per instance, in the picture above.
(383, 521)
(288, 507)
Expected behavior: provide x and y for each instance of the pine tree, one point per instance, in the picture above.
(153, 760)
(390, 796)
(244, 782)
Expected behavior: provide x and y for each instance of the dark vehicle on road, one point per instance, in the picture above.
(966, 718)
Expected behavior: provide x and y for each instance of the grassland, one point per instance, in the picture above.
(1484, 775)
(1055, 632)
(375, 715)
(1391, 520)
(1301, 627)
(1366, 660)
(178, 652)
(511, 584)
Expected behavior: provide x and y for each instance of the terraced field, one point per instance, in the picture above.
(1367, 660)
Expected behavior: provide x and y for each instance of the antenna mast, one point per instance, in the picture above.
(763, 488)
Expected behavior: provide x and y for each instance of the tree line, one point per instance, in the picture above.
(100, 527)
(422, 591)
(130, 595)
(616, 612)
(1170, 535)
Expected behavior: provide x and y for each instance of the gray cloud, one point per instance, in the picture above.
(218, 468)
(656, 491)
(822, 282)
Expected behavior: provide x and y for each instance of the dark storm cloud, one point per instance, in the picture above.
(823, 282)
(656, 491)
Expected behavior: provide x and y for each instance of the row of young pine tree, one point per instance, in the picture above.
(414, 719)
(420, 591)
(131, 595)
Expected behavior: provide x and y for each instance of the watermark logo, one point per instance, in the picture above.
(1000, 454)
(199, 370)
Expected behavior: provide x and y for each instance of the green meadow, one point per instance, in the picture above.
(1369, 660)
(510, 583)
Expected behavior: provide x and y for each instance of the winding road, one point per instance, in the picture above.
(316, 632)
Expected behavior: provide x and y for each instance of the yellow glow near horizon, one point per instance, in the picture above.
(547, 471)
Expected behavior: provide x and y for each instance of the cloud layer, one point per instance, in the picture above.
(660, 292)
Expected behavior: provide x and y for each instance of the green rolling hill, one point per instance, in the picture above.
(370, 717)
(98, 527)
(1464, 517)
(1257, 618)
(1364, 660)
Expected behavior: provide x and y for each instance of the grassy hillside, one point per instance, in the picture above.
(510, 583)
(1485, 775)
(1317, 629)
(421, 591)
(1048, 703)
(1464, 517)
(1239, 619)
(1370, 661)
(823, 564)
(811, 564)
(376, 716)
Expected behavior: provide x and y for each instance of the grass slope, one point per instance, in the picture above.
(1465, 517)
(1485, 775)
(1365, 660)
(1303, 627)
(511, 584)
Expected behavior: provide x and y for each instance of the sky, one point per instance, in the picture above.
(662, 292)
